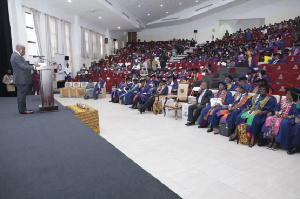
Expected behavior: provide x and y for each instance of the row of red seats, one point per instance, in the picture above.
(282, 67)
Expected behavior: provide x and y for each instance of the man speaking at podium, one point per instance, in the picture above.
(22, 77)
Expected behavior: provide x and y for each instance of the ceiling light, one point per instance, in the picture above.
(167, 12)
(119, 27)
(148, 14)
(161, 5)
(100, 17)
(196, 1)
(179, 3)
(139, 6)
(69, 1)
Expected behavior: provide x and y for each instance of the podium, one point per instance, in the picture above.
(46, 88)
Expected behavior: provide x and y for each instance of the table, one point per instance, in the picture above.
(88, 115)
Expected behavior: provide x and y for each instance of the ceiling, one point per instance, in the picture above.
(153, 8)
(132, 15)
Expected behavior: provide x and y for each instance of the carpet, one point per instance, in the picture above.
(55, 155)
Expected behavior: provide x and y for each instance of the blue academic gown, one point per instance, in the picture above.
(233, 115)
(174, 86)
(145, 96)
(127, 96)
(214, 119)
(233, 87)
(296, 135)
(285, 133)
(98, 88)
(258, 120)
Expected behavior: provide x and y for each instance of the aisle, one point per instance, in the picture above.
(192, 162)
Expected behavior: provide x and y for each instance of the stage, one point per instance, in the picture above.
(55, 155)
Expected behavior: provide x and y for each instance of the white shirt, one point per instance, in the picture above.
(201, 96)
(127, 64)
(68, 71)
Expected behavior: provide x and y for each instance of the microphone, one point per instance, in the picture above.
(35, 56)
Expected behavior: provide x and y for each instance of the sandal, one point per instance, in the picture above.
(232, 138)
(270, 144)
(275, 146)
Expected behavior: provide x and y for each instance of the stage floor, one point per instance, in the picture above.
(55, 155)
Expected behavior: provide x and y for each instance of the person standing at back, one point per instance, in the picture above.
(22, 77)
(8, 80)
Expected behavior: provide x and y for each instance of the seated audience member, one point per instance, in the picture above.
(83, 68)
(277, 59)
(251, 75)
(230, 63)
(89, 89)
(255, 116)
(127, 97)
(67, 72)
(209, 113)
(294, 148)
(173, 83)
(202, 98)
(115, 92)
(261, 74)
(97, 90)
(9, 81)
(230, 84)
(221, 62)
(161, 90)
(122, 90)
(144, 96)
(241, 101)
(244, 80)
(242, 59)
(279, 128)
(83, 79)
(144, 88)
(207, 69)
(182, 73)
(196, 75)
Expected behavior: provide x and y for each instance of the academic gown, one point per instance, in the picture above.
(228, 100)
(127, 96)
(97, 89)
(296, 135)
(285, 133)
(258, 120)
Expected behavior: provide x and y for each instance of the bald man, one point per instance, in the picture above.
(22, 77)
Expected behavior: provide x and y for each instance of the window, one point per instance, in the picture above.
(33, 48)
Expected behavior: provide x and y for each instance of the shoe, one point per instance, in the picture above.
(201, 127)
(26, 112)
(232, 139)
(141, 111)
(110, 101)
(190, 124)
(216, 132)
(292, 151)
(251, 145)
(211, 129)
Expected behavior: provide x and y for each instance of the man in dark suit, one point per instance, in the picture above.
(22, 77)
(202, 98)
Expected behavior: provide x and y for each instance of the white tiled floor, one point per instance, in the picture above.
(192, 162)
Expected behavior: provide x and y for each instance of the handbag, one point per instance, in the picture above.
(243, 136)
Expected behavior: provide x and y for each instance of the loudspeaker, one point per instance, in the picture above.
(195, 31)
(106, 40)
(66, 58)
(115, 39)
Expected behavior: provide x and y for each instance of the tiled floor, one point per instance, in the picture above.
(192, 162)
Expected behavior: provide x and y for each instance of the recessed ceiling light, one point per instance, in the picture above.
(119, 27)
(179, 3)
(69, 1)
(148, 14)
(100, 17)
(196, 1)
(161, 5)
(139, 6)
(167, 12)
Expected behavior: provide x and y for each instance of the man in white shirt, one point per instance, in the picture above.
(83, 68)
(67, 72)
(202, 98)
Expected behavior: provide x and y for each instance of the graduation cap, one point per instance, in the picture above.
(230, 77)
(135, 80)
(242, 78)
(128, 78)
(163, 81)
(244, 86)
(252, 70)
(224, 83)
(164, 70)
(260, 70)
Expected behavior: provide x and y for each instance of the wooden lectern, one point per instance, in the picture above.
(46, 85)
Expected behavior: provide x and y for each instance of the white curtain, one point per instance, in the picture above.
(95, 46)
(98, 45)
(51, 36)
(68, 49)
(102, 43)
(63, 36)
(88, 40)
(36, 21)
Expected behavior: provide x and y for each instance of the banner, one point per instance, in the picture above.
(60, 62)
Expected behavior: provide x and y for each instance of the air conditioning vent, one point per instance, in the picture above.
(170, 19)
(203, 7)
(109, 2)
(125, 15)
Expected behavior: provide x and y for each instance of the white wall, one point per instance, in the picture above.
(272, 10)
(19, 35)
(233, 25)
